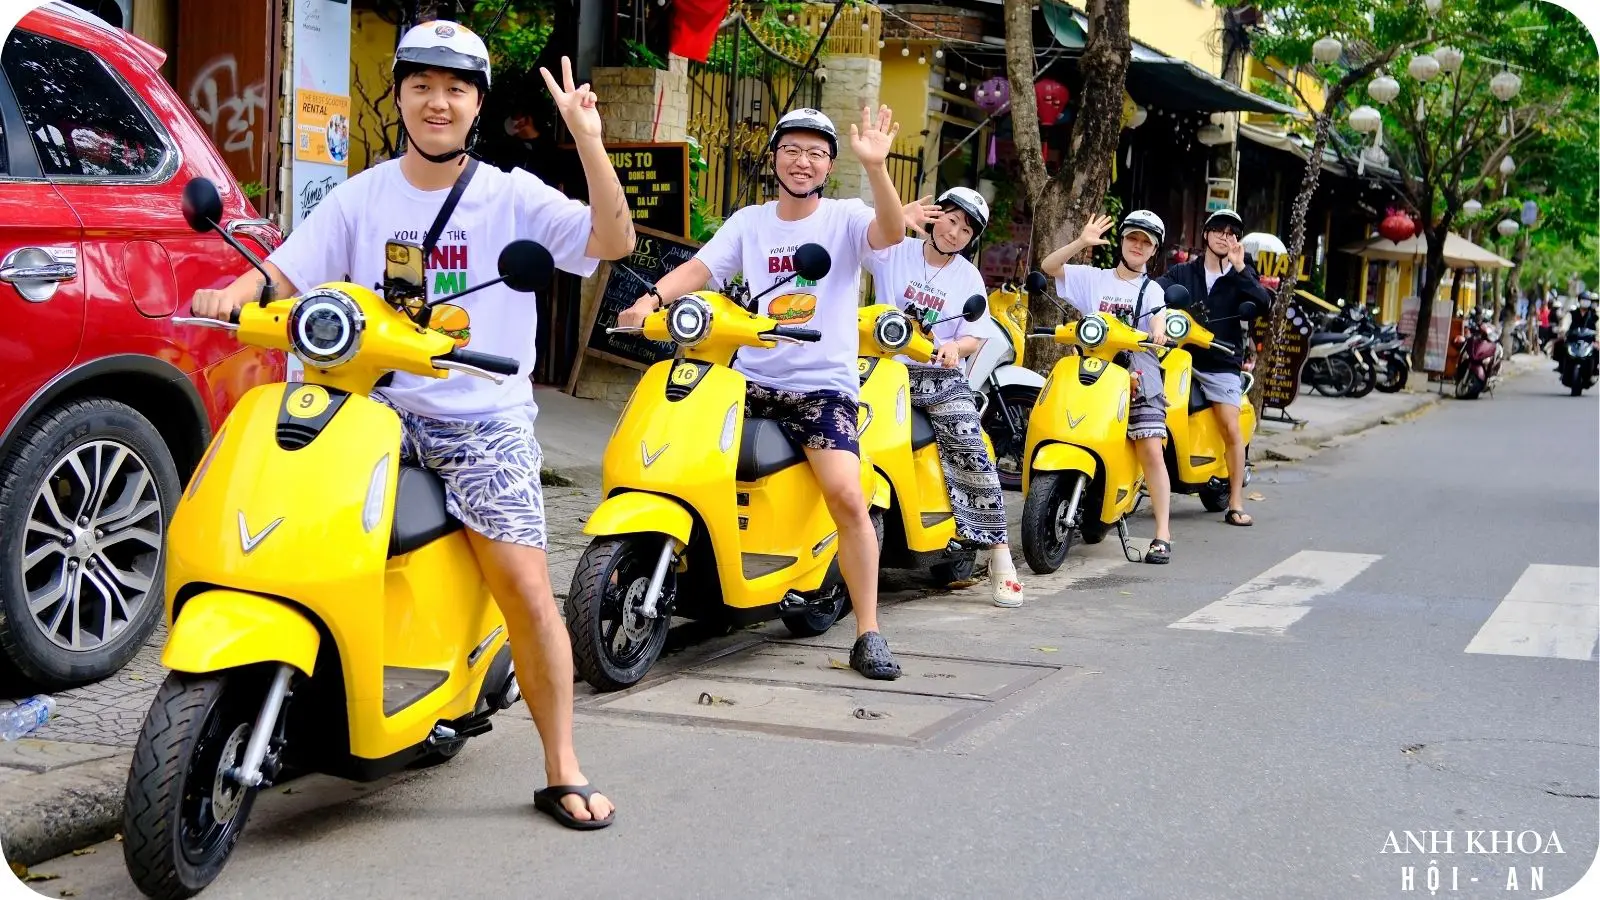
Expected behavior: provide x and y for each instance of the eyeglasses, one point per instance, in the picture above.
(791, 153)
(1229, 229)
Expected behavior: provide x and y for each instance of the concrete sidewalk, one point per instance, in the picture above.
(62, 787)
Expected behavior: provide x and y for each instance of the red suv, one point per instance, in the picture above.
(105, 405)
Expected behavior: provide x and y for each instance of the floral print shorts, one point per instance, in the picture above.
(816, 420)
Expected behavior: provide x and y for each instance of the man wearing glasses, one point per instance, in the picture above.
(1219, 281)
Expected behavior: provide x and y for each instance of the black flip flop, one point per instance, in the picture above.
(1233, 516)
(548, 801)
(1160, 552)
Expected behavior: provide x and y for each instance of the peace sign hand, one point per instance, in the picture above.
(577, 104)
(1236, 253)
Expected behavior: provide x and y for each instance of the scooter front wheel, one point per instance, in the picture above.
(1047, 520)
(613, 643)
(181, 815)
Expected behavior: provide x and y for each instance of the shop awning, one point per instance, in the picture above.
(1307, 295)
(1156, 79)
(1459, 253)
(1299, 146)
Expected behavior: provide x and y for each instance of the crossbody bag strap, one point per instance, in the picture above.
(449, 207)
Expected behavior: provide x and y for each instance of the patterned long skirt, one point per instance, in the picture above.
(975, 496)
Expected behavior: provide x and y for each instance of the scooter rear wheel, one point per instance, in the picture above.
(613, 647)
(181, 818)
(1046, 533)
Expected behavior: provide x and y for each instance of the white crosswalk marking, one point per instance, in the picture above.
(1551, 611)
(1277, 598)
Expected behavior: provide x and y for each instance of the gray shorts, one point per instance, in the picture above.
(490, 470)
(1147, 413)
(1220, 387)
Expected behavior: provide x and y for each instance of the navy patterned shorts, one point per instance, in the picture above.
(816, 420)
(490, 470)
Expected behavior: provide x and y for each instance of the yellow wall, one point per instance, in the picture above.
(1310, 86)
(905, 87)
(1186, 29)
(372, 43)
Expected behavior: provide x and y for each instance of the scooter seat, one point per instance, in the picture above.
(419, 514)
(921, 429)
(1197, 400)
(764, 450)
(1328, 337)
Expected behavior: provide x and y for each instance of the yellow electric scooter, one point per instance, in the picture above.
(1081, 473)
(325, 612)
(707, 514)
(1195, 453)
(899, 440)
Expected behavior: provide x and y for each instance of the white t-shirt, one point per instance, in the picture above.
(756, 242)
(1211, 279)
(901, 275)
(1094, 290)
(343, 240)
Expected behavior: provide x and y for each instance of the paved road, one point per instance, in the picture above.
(1402, 650)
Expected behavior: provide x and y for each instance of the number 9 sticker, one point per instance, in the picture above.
(306, 402)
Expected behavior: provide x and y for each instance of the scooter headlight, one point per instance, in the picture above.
(892, 331)
(1092, 331)
(1177, 326)
(689, 321)
(325, 328)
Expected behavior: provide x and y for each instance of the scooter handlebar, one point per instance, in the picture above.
(488, 362)
(794, 333)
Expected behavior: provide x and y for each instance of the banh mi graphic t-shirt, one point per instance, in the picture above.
(343, 240)
(1094, 290)
(901, 275)
(762, 246)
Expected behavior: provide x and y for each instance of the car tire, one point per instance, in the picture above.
(110, 468)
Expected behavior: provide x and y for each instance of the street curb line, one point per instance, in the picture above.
(50, 814)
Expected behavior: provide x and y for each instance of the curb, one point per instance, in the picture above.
(50, 814)
(1311, 437)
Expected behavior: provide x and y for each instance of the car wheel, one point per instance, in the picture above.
(85, 498)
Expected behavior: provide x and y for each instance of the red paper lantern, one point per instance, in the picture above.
(1052, 97)
(1397, 226)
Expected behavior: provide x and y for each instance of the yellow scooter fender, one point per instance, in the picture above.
(222, 629)
(1064, 457)
(880, 491)
(634, 512)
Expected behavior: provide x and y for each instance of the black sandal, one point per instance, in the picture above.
(1160, 552)
(1234, 515)
(548, 801)
(871, 657)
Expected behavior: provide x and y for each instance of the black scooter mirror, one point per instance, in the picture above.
(1036, 282)
(1247, 309)
(812, 262)
(1177, 297)
(526, 266)
(975, 307)
(202, 205)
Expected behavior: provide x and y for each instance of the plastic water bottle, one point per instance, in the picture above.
(29, 715)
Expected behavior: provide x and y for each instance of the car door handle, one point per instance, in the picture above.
(37, 271)
(49, 272)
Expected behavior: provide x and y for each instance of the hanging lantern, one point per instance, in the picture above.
(1507, 227)
(1326, 50)
(1449, 58)
(1397, 226)
(963, 87)
(1507, 165)
(938, 54)
(1052, 97)
(1433, 6)
(994, 95)
(922, 60)
(1383, 89)
(905, 49)
(822, 74)
(1375, 156)
(1139, 115)
(1471, 207)
(1530, 213)
(1365, 119)
(1423, 67)
(1505, 85)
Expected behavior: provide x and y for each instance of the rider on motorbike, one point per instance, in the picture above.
(1127, 293)
(811, 389)
(477, 436)
(1583, 315)
(935, 275)
(1219, 281)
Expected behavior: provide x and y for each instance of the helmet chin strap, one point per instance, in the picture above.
(817, 191)
(933, 241)
(451, 156)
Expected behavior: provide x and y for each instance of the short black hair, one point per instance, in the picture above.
(405, 70)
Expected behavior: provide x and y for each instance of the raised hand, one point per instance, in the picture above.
(1093, 229)
(872, 141)
(1235, 253)
(578, 105)
(920, 212)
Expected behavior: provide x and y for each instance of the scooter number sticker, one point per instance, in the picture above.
(685, 374)
(307, 402)
(1094, 364)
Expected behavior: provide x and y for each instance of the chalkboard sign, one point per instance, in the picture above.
(1280, 372)
(655, 179)
(654, 255)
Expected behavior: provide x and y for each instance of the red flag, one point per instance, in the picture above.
(694, 26)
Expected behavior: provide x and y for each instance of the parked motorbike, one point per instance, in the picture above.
(920, 530)
(1580, 363)
(1006, 391)
(325, 612)
(708, 514)
(1480, 356)
(1331, 365)
(1196, 455)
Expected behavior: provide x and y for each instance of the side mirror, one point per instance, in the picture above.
(525, 266)
(812, 262)
(202, 205)
(1177, 297)
(975, 308)
(1036, 282)
(1247, 309)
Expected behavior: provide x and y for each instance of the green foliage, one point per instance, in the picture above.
(703, 223)
(253, 189)
(773, 27)
(515, 46)
(1106, 257)
(642, 57)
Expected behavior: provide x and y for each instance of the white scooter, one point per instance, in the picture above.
(1005, 392)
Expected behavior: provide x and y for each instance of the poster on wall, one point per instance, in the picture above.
(322, 102)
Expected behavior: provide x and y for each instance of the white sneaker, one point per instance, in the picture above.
(1007, 592)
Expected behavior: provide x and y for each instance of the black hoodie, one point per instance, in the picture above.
(1218, 309)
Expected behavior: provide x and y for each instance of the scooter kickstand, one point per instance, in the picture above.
(1122, 535)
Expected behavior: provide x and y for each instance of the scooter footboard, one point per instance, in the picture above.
(222, 629)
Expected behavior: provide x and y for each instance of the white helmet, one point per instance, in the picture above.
(1146, 221)
(805, 120)
(970, 202)
(1224, 215)
(444, 45)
